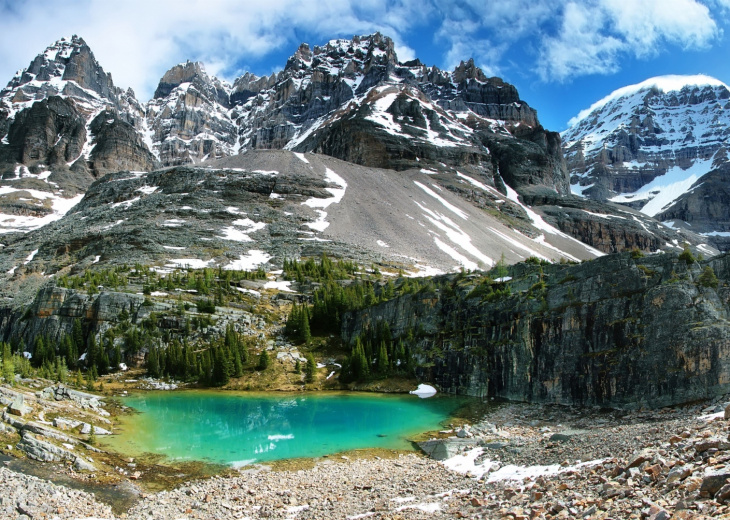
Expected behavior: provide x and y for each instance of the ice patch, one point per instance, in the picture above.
(662, 191)
(337, 193)
(281, 286)
(192, 263)
(30, 257)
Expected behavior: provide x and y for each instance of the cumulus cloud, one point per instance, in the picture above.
(594, 36)
(575, 38)
(556, 40)
(138, 40)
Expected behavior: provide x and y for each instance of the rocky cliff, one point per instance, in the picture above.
(618, 331)
(63, 125)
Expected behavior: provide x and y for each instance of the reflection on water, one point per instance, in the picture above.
(239, 429)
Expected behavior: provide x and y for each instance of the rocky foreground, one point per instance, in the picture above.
(520, 462)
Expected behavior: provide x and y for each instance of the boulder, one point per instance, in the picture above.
(18, 406)
(713, 480)
(86, 430)
(442, 449)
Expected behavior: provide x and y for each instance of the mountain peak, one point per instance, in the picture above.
(660, 84)
(181, 73)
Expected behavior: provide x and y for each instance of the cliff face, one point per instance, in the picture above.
(617, 332)
(55, 309)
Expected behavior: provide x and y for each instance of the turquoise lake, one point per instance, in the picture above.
(242, 428)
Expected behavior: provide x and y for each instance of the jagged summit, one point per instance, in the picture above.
(66, 67)
(351, 99)
(657, 85)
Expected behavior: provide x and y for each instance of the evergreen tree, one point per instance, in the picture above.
(383, 365)
(306, 334)
(310, 369)
(708, 278)
(153, 366)
(237, 365)
(221, 367)
(263, 360)
(77, 335)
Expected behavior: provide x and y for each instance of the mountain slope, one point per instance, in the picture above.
(651, 146)
(66, 125)
(262, 207)
(63, 123)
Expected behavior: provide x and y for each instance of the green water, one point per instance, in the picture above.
(240, 429)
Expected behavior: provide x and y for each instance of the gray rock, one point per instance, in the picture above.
(442, 449)
(713, 480)
(81, 464)
(19, 407)
(86, 430)
(567, 435)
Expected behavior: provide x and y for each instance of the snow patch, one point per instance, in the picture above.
(250, 261)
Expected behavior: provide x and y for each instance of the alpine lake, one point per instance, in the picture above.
(236, 429)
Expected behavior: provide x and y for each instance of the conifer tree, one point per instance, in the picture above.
(153, 366)
(263, 360)
(310, 369)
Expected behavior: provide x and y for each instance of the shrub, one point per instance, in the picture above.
(708, 278)
(207, 306)
(687, 256)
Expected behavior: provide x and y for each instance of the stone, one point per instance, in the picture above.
(723, 494)
(86, 430)
(727, 412)
(19, 407)
(678, 473)
(81, 464)
(713, 480)
(566, 435)
(706, 444)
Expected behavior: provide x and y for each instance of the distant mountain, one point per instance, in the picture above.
(661, 147)
(454, 138)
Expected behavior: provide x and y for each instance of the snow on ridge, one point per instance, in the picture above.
(669, 83)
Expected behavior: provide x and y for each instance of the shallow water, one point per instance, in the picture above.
(244, 428)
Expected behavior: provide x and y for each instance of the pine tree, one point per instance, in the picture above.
(306, 334)
(708, 278)
(383, 365)
(77, 335)
(310, 369)
(153, 366)
(263, 360)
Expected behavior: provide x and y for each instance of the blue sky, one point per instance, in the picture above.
(561, 55)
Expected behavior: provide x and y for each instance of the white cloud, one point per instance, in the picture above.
(594, 36)
(570, 39)
(581, 48)
(138, 40)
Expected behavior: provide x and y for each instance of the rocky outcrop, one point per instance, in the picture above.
(189, 117)
(51, 132)
(618, 332)
(54, 310)
(117, 146)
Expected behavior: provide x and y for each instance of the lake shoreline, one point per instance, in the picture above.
(636, 464)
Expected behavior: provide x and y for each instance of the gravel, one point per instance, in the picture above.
(646, 464)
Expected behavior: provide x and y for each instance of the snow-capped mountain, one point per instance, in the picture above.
(651, 146)
(63, 125)
(190, 119)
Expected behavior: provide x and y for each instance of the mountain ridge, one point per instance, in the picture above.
(352, 100)
(650, 145)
